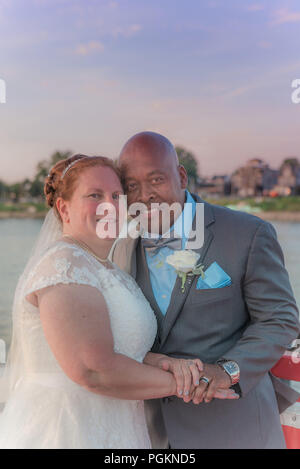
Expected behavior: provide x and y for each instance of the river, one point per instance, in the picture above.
(17, 238)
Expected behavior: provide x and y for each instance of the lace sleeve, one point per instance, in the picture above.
(62, 264)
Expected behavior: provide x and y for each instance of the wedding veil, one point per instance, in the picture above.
(50, 232)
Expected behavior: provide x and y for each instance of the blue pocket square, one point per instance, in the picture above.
(215, 277)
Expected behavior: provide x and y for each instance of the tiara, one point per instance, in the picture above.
(72, 164)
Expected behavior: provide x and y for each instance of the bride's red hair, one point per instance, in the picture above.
(61, 181)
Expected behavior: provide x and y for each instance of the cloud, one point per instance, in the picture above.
(89, 48)
(4, 5)
(283, 15)
(255, 7)
(264, 45)
(127, 31)
(242, 90)
(213, 4)
(113, 4)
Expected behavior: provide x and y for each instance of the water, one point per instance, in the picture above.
(18, 236)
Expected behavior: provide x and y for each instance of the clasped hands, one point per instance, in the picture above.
(197, 381)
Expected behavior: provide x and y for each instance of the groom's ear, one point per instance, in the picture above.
(183, 176)
(62, 207)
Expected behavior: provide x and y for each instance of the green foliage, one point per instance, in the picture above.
(31, 188)
(23, 207)
(36, 188)
(43, 167)
(188, 160)
(3, 190)
(294, 162)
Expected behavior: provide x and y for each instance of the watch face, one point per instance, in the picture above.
(231, 367)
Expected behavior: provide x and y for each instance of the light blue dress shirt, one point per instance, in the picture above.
(162, 275)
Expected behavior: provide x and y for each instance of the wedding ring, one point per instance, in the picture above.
(206, 380)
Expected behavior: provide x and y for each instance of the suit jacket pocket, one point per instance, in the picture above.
(210, 295)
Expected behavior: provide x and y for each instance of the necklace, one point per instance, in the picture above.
(85, 248)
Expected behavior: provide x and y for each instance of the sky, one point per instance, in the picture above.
(214, 76)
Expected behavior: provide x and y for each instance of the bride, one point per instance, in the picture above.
(79, 367)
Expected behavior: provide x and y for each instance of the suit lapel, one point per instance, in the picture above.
(144, 277)
(178, 298)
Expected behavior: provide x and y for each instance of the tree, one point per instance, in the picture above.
(42, 170)
(36, 188)
(43, 167)
(188, 160)
(292, 161)
(16, 191)
(3, 190)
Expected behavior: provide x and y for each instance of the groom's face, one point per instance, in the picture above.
(153, 178)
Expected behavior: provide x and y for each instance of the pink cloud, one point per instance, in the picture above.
(89, 48)
(264, 44)
(283, 15)
(127, 31)
(255, 7)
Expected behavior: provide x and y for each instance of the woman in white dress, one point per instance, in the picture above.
(79, 366)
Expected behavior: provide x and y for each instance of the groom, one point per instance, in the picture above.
(238, 320)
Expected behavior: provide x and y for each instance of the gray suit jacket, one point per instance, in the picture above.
(252, 321)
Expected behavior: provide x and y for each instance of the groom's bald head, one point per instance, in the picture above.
(148, 145)
(151, 171)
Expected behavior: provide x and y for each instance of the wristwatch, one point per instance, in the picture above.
(231, 368)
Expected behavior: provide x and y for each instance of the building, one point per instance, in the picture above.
(289, 177)
(216, 186)
(256, 178)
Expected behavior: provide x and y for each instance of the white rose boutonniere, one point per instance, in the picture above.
(185, 264)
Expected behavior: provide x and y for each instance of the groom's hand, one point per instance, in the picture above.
(187, 374)
(218, 381)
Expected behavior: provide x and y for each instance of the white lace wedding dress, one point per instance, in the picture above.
(47, 409)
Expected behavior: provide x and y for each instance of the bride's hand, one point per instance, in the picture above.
(186, 373)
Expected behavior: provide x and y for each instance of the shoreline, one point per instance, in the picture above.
(269, 216)
(27, 215)
(279, 216)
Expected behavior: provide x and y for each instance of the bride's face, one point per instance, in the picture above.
(95, 185)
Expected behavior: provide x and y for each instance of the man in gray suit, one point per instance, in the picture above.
(239, 324)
